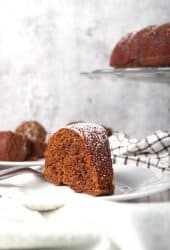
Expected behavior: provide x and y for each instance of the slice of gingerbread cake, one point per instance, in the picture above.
(13, 147)
(79, 156)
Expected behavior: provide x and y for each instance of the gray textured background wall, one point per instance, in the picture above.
(45, 44)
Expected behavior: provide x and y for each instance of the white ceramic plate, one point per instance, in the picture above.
(130, 183)
(133, 182)
(6, 164)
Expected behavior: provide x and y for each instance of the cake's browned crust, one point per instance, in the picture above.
(79, 156)
(13, 147)
(149, 47)
(32, 130)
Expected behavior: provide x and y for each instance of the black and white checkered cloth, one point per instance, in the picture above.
(153, 151)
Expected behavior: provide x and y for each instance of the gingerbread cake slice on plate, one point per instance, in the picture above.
(79, 156)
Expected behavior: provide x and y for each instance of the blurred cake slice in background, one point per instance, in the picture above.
(35, 134)
(13, 147)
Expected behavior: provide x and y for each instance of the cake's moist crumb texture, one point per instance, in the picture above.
(13, 147)
(149, 47)
(79, 156)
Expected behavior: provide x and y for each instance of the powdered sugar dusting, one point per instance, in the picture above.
(97, 142)
(89, 131)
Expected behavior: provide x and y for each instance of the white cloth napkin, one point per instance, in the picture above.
(86, 224)
(152, 151)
